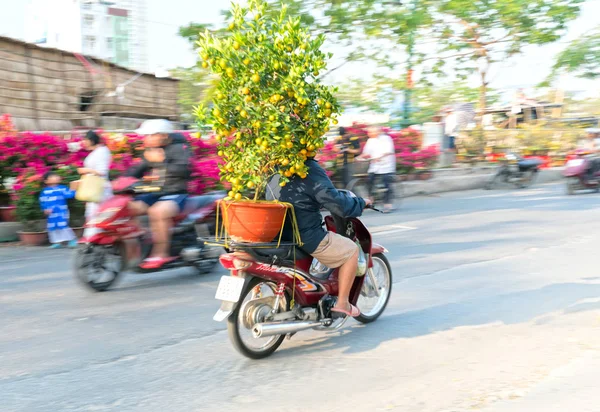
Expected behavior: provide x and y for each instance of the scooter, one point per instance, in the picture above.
(582, 172)
(122, 244)
(274, 292)
(515, 170)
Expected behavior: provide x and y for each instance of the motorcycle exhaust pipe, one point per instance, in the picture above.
(261, 330)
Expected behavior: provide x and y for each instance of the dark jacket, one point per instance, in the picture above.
(175, 171)
(308, 197)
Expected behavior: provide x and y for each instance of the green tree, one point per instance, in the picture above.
(270, 110)
(581, 57)
(195, 85)
(477, 33)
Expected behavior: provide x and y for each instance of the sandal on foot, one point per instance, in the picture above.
(352, 312)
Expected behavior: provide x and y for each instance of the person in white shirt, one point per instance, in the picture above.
(451, 130)
(379, 149)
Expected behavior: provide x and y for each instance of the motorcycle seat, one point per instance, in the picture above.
(282, 253)
(528, 163)
(193, 203)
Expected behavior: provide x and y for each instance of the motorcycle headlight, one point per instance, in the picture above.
(575, 162)
(103, 216)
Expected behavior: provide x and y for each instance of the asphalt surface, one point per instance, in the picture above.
(495, 307)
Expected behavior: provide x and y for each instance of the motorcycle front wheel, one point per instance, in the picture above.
(529, 179)
(254, 305)
(376, 290)
(98, 267)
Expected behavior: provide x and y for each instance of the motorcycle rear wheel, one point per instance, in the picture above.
(572, 184)
(90, 259)
(244, 312)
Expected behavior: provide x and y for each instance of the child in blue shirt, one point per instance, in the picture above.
(53, 201)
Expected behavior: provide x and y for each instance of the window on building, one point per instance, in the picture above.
(88, 20)
(86, 6)
(90, 42)
(109, 43)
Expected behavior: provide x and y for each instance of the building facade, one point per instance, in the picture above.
(110, 30)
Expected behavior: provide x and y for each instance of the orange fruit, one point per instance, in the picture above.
(285, 162)
(250, 185)
(238, 196)
(204, 65)
(255, 78)
(289, 145)
(245, 90)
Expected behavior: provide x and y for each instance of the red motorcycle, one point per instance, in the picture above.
(122, 244)
(582, 172)
(276, 292)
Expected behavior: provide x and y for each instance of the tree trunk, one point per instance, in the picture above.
(483, 93)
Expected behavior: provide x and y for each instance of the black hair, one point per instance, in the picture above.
(93, 137)
(48, 174)
(342, 131)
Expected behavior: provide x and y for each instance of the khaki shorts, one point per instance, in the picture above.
(335, 250)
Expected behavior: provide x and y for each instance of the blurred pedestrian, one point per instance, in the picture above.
(96, 163)
(379, 149)
(53, 201)
(348, 147)
(451, 130)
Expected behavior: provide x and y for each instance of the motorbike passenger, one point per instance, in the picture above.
(308, 196)
(167, 158)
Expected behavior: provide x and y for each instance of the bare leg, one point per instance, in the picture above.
(137, 208)
(346, 276)
(161, 219)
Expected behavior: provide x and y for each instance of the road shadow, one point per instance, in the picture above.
(512, 308)
(175, 277)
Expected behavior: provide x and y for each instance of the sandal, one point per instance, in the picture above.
(156, 262)
(353, 312)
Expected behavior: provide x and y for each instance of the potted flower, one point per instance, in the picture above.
(27, 191)
(270, 111)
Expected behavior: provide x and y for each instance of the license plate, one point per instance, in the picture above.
(230, 288)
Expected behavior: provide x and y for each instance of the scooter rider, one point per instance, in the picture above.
(167, 158)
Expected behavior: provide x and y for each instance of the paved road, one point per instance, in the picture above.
(495, 307)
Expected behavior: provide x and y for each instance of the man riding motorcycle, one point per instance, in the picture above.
(333, 250)
(167, 158)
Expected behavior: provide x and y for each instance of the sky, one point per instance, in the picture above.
(167, 49)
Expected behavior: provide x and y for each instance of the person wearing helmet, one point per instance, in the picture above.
(166, 158)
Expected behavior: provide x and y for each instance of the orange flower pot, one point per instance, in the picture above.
(253, 222)
(33, 238)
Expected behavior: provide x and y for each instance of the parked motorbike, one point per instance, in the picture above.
(276, 292)
(515, 170)
(123, 244)
(582, 172)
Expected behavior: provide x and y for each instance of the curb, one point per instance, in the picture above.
(475, 179)
(8, 231)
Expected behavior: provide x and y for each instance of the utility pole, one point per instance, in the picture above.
(406, 115)
(409, 81)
